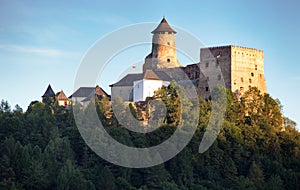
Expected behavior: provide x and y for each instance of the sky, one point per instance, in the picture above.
(44, 42)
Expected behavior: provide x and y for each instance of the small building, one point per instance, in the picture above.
(62, 99)
(84, 95)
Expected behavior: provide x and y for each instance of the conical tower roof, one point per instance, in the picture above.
(49, 92)
(163, 27)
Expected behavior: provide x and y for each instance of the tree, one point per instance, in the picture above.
(256, 175)
(70, 177)
(105, 180)
(274, 183)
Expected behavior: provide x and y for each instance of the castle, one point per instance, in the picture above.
(237, 68)
(240, 68)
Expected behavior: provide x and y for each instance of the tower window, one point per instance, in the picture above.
(206, 89)
(250, 80)
(242, 79)
(168, 60)
(255, 67)
(207, 64)
(249, 87)
(252, 74)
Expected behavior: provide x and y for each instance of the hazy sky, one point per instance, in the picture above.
(43, 42)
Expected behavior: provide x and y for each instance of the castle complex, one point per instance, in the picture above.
(239, 68)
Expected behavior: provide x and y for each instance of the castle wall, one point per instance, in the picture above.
(247, 69)
(238, 68)
(124, 92)
(215, 69)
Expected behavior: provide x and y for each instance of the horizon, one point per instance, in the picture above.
(44, 43)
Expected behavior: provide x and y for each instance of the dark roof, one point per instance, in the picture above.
(163, 27)
(49, 92)
(149, 74)
(99, 92)
(89, 92)
(83, 92)
(130, 78)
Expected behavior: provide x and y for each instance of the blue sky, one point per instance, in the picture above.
(43, 42)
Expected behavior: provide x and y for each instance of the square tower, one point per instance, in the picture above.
(240, 67)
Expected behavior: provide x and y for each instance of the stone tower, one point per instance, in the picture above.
(163, 54)
(240, 67)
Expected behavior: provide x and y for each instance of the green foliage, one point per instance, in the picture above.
(43, 149)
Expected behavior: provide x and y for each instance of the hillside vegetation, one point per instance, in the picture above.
(42, 148)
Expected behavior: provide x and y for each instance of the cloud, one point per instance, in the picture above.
(31, 49)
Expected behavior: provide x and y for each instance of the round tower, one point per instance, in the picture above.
(163, 54)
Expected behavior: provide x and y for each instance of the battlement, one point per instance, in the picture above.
(232, 47)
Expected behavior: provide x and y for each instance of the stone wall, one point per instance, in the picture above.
(247, 69)
(163, 54)
(236, 68)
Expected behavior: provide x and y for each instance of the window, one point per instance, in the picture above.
(242, 80)
(206, 88)
(250, 81)
(207, 64)
(219, 77)
(241, 89)
(169, 32)
(252, 74)
(249, 87)
(168, 43)
(234, 83)
(207, 78)
(168, 60)
(256, 67)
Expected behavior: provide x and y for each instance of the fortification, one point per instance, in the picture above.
(240, 67)
(163, 54)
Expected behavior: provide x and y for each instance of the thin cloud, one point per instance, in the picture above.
(31, 49)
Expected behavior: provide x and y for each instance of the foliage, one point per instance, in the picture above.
(42, 147)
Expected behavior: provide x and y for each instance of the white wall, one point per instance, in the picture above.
(145, 88)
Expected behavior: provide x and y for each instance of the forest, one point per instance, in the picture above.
(256, 148)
